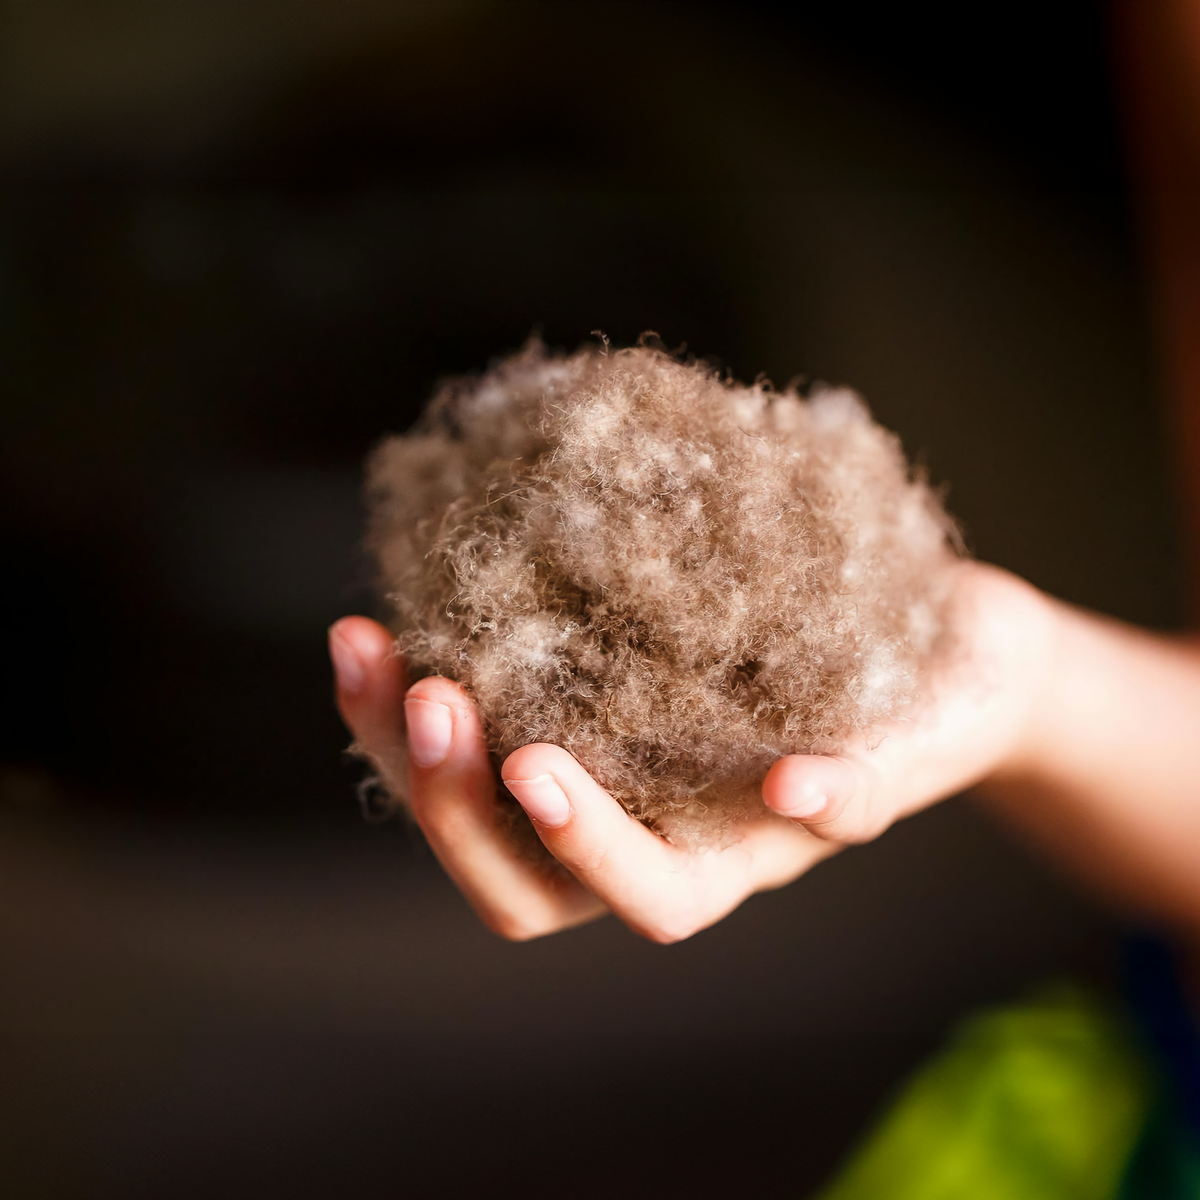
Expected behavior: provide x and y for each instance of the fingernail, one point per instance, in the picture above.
(430, 727)
(346, 663)
(542, 799)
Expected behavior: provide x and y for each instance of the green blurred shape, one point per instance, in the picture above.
(1045, 1100)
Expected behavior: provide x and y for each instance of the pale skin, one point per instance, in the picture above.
(1084, 732)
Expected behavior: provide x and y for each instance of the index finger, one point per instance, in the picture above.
(660, 890)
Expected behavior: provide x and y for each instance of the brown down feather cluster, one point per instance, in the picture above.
(676, 577)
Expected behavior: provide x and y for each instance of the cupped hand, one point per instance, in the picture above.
(426, 742)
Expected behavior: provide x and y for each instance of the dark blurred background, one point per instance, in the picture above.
(241, 241)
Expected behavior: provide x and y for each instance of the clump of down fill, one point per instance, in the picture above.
(676, 577)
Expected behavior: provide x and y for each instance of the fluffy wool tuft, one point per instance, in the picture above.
(677, 578)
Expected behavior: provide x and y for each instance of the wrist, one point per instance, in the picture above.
(1011, 658)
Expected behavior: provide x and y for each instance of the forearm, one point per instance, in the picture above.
(1107, 778)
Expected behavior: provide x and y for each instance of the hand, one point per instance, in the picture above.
(813, 805)
(613, 862)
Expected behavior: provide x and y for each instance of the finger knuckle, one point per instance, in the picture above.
(445, 824)
(851, 829)
(516, 927)
(667, 931)
(590, 863)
